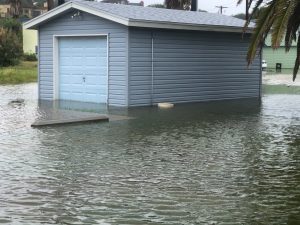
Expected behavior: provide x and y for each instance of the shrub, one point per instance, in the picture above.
(12, 24)
(10, 42)
(10, 47)
(29, 57)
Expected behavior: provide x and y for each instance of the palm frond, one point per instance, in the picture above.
(297, 63)
(283, 17)
(254, 11)
(261, 30)
(239, 2)
(292, 27)
(284, 10)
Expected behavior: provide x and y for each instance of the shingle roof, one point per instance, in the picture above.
(138, 13)
(138, 16)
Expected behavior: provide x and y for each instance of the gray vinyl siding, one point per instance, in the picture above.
(189, 66)
(87, 24)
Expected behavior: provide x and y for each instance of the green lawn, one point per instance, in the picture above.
(25, 72)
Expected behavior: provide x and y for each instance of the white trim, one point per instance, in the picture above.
(79, 35)
(39, 66)
(55, 68)
(34, 23)
(107, 68)
(128, 71)
(102, 14)
(56, 60)
(152, 67)
(188, 27)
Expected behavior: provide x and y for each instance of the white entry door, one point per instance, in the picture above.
(83, 69)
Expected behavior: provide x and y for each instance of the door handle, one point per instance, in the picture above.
(83, 78)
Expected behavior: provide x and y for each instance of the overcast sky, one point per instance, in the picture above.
(210, 5)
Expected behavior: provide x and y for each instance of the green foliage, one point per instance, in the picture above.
(30, 57)
(10, 48)
(283, 18)
(178, 4)
(240, 16)
(25, 72)
(10, 42)
(281, 89)
(157, 6)
(243, 15)
(12, 24)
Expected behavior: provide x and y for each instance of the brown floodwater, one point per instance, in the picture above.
(227, 162)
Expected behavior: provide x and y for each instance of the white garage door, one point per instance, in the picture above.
(83, 69)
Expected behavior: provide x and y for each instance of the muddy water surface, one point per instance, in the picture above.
(234, 162)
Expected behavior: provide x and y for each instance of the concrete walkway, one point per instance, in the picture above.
(53, 114)
(66, 120)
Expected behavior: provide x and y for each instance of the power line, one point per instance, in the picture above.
(221, 8)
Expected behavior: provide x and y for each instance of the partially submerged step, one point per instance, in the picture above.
(62, 121)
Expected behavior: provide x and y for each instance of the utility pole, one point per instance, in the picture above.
(221, 8)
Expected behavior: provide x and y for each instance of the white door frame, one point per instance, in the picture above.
(56, 61)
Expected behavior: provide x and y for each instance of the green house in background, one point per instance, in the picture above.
(279, 55)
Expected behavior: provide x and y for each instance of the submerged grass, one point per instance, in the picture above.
(281, 89)
(25, 72)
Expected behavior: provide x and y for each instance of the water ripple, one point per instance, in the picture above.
(211, 163)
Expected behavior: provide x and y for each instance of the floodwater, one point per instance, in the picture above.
(232, 162)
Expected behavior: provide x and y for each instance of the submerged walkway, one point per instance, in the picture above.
(65, 120)
(62, 113)
(280, 79)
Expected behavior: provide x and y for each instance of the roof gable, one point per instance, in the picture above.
(138, 16)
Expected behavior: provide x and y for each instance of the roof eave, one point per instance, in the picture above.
(34, 23)
(168, 25)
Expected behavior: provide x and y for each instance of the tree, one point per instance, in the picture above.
(54, 3)
(157, 6)
(283, 18)
(10, 42)
(178, 4)
(15, 8)
(240, 16)
(243, 15)
(50, 4)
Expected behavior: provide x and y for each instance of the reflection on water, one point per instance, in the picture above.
(234, 162)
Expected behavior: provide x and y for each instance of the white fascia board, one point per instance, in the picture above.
(32, 24)
(188, 27)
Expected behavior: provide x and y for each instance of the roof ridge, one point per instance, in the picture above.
(138, 16)
(154, 9)
(103, 10)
